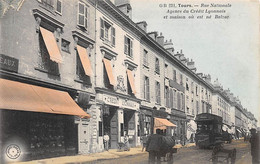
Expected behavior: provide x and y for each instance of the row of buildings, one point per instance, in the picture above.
(73, 71)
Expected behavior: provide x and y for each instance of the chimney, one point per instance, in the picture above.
(124, 6)
(182, 58)
(160, 39)
(191, 65)
(142, 25)
(208, 78)
(200, 74)
(177, 55)
(153, 35)
(169, 46)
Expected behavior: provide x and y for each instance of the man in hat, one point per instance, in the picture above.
(254, 140)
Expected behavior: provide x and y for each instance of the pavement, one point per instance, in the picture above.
(81, 159)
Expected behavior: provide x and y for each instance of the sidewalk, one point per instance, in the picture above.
(79, 159)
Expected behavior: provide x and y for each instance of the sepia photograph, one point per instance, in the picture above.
(129, 81)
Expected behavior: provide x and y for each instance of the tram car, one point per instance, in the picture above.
(209, 130)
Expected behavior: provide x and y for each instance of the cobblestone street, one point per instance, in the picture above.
(190, 155)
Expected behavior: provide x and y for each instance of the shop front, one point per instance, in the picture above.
(119, 117)
(37, 122)
(145, 121)
(179, 118)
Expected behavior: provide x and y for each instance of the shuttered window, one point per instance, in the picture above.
(107, 32)
(58, 6)
(82, 15)
(146, 89)
(128, 46)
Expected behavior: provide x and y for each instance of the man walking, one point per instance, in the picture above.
(153, 147)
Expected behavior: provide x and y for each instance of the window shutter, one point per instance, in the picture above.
(58, 8)
(81, 11)
(102, 25)
(171, 98)
(126, 46)
(131, 48)
(148, 90)
(113, 34)
(86, 18)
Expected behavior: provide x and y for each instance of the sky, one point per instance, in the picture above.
(227, 49)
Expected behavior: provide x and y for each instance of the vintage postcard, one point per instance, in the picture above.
(129, 81)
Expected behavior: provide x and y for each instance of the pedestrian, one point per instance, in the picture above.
(254, 141)
(153, 147)
(144, 141)
(106, 141)
(126, 142)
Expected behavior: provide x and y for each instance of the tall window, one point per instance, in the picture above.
(107, 32)
(174, 75)
(178, 101)
(83, 15)
(158, 92)
(128, 47)
(166, 70)
(157, 66)
(197, 107)
(197, 90)
(80, 71)
(171, 97)
(167, 96)
(53, 5)
(145, 58)
(46, 64)
(146, 89)
(181, 79)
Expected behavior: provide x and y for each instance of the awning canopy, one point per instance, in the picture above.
(25, 97)
(160, 123)
(131, 80)
(110, 75)
(83, 55)
(51, 45)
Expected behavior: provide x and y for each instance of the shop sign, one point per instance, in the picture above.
(129, 104)
(110, 100)
(8, 63)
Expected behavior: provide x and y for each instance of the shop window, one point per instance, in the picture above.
(145, 58)
(107, 32)
(46, 64)
(158, 92)
(146, 88)
(157, 66)
(83, 15)
(100, 128)
(128, 49)
(121, 129)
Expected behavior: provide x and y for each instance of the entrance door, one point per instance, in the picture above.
(129, 122)
(114, 129)
(83, 138)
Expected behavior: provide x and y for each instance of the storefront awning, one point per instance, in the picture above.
(160, 123)
(110, 75)
(131, 80)
(83, 55)
(25, 97)
(51, 45)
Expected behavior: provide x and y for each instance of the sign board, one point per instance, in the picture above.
(8, 63)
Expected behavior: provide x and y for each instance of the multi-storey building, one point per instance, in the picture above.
(117, 73)
(47, 77)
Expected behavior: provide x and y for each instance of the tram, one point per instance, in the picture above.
(209, 130)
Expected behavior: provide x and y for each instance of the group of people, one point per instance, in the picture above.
(126, 142)
(255, 146)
